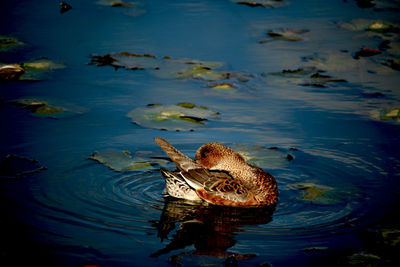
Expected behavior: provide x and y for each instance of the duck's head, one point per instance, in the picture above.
(218, 156)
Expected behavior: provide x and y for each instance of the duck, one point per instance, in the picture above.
(218, 176)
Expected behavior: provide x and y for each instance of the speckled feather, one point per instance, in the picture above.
(219, 176)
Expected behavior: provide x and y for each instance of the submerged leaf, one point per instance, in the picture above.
(180, 117)
(391, 236)
(325, 195)
(377, 26)
(119, 161)
(17, 167)
(114, 3)
(221, 86)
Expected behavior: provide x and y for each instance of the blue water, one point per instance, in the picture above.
(79, 212)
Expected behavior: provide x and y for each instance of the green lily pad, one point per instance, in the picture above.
(263, 157)
(7, 43)
(180, 117)
(262, 3)
(43, 109)
(386, 114)
(289, 35)
(221, 86)
(17, 167)
(122, 161)
(325, 195)
(11, 72)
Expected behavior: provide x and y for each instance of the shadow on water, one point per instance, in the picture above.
(210, 229)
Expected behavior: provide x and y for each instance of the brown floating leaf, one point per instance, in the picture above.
(64, 7)
(366, 52)
(11, 72)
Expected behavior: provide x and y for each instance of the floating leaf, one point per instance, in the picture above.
(120, 161)
(263, 157)
(386, 114)
(11, 72)
(201, 73)
(17, 167)
(366, 52)
(180, 117)
(221, 86)
(7, 43)
(325, 195)
(285, 35)
(262, 3)
(42, 64)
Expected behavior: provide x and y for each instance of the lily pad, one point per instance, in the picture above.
(325, 195)
(262, 3)
(180, 117)
(7, 43)
(42, 64)
(43, 109)
(263, 157)
(366, 52)
(289, 35)
(221, 86)
(122, 161)
(11, 72)
(17, 167)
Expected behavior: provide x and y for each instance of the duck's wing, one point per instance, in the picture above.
(218, 187)
(215, 187)
(176, 186)
(181, 161)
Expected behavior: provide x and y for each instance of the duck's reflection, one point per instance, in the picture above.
(211, 229)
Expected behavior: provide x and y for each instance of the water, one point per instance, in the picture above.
(79, 212)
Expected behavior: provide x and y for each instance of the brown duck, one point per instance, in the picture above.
(219, 176)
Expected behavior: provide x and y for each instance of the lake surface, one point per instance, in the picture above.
(308, 90)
